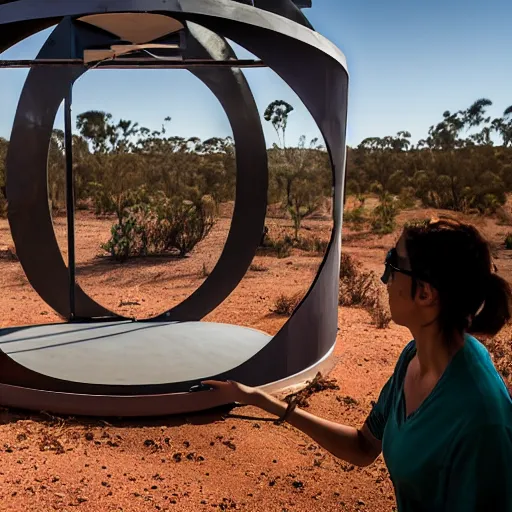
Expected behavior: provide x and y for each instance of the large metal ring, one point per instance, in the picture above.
(27, 184)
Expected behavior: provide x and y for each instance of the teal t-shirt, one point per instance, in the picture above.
(454, 453)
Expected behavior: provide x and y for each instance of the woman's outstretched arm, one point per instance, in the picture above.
(355, 446)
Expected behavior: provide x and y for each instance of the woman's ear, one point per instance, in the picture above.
(426, 295)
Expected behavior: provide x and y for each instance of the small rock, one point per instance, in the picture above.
(230, 445)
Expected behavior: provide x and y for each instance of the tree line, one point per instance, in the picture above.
(163, 190)
(456, 167)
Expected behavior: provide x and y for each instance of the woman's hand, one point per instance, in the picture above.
(233, 391)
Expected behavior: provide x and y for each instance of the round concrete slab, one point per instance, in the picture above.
(132, 353)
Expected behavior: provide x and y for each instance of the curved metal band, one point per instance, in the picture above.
(284, 8)
(27, 182)
(315, 70)
(27, 179)
(233, 92)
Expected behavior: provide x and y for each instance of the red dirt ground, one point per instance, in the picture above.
(220, 460)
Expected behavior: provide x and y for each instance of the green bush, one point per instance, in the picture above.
(407, 198)
(508, 241)
(383, 218)
(182, 224)
(163, 225)
(356, 217)
(133, 236)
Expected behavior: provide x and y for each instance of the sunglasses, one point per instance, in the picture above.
(391, 266)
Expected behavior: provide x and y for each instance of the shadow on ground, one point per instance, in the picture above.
(13, 416)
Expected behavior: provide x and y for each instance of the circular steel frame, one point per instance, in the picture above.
(29, 215)
(316, 70)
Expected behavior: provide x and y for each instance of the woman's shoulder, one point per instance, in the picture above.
(481, 386)
(406, 355)
(403, 361)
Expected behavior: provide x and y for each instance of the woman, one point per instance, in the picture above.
(444, 419)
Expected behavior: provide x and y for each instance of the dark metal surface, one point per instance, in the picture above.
(134, 63)
(70, 202)
(27, 184)
(107, 405)
(316, 71)
(303, 4)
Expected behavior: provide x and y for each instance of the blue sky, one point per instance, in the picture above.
(408, 62)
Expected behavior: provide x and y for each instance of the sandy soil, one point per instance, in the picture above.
(220, 460)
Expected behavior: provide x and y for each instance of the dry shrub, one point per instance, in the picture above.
(318, 384)
(282, 247)
(500, 348)
(50, 442)
(205, 272)
(503, 217)
(285, 304)
(311, 244)
(380, 313)
(279, 247)
(348, 401)
(362, 289)
(9, 253)
(255, 267)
